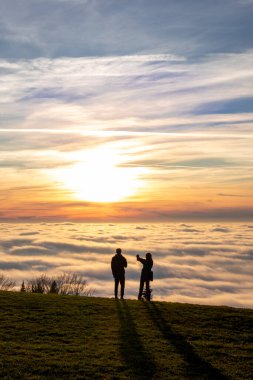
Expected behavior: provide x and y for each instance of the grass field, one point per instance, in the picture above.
(67, 337)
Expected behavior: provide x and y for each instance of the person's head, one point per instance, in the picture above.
(148, 256)
(118, 251)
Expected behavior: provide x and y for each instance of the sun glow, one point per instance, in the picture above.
(99, 177)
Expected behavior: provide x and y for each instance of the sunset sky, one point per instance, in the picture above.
(126, 110)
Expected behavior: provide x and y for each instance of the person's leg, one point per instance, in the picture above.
(141, 289)
(116, 279)
(148, 290)
(122, 284)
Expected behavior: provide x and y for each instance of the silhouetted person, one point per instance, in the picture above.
(146, 275)
(118, 265)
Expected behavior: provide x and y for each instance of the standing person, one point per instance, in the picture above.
(146, 274)
(118, 265)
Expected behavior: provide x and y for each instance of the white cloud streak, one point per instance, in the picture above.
(97, 92)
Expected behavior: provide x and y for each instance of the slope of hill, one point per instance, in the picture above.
(64, 337)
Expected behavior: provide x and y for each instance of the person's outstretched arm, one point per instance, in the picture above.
(140, 259)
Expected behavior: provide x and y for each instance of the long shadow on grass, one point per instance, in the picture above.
(196, 367)
(136, 358)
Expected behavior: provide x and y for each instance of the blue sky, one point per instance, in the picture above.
(78, 28)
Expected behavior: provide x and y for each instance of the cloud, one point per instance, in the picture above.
(190, 230)
(7, 244)
(235, 195)
(27, 265)
(29, 233)
(30, 251)
(30, 247)
(117, 80)
(221, 229)
(205, 266)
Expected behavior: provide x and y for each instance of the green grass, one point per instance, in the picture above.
(66, 337)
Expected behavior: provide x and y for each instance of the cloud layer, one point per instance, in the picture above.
(197, 263)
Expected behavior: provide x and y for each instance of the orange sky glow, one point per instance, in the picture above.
(141, 177)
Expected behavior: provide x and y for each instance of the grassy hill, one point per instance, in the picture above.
(64, 337)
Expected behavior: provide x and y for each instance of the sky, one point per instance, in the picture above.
(126, 110)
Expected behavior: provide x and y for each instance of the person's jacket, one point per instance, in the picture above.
(118, 265)
(146, 270)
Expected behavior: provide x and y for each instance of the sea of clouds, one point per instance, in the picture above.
(200, 263)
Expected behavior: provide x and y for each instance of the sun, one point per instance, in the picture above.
(100, 177)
